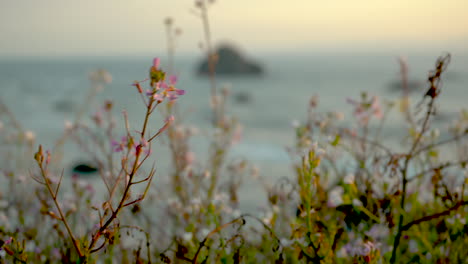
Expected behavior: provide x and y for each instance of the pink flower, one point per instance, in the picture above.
(168, 91)
(173, 93)
(97, 118)
(8, 241)
(159, 97)
(365, 109)
(173, 79)
(119, 146)
(156, 62)
(169, 119)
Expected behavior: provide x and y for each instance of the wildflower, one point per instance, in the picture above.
(236, 213)
(97, 118)
(169, 89)
(187, 236)
(159, 97)
(169, 119)
(313, 101)
(413, 246)
(8, 241)
(120, 146)
(304, 213)
(378, 232)
(349, 178)
(156, 62)
(267, 219)
(357, 202)
(364, 110)
(203, 233)
(189, 157)
(30, 137)
(295, 123)
(162, 90)
(237, 136)
(68, 125)
(56, 253)
(435, 133)
(335, 196)
(100, 76)
(366, 249)
(156, 75)
(286, 242)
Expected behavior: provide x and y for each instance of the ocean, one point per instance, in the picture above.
(45, 92)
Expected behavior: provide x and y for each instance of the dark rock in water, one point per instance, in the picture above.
(413, 86)
(84, 169)
(242, 98)
(230, 62)
(444, 117)
(64, 106)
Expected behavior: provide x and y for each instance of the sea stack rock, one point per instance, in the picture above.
(230, 61)
(84, 168)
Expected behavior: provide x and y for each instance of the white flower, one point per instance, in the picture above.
(187, 236)
(295, 123)
(276, 208)
(203, 233)
(267, 219)
(286, 242)
(304, 213)
(357, 202)
(349, 178)
(30, 137)
(68, 125)
(335, 196)
(236, 213)
(413, 246)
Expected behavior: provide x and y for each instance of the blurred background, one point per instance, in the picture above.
(120, 27)
(334, 49)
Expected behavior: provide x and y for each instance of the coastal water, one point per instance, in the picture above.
(44, 92)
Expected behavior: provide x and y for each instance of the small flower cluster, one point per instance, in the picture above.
(160, 89)
(367, 108)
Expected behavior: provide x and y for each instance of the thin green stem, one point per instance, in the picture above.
(59, 209)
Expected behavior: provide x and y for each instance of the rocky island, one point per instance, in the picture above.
(230, 61)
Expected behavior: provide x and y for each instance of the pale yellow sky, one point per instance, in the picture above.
(127, 27)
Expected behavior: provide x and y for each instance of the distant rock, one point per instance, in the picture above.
(230, 61)
(84, 168)
(242, 97)
(64, 106)
(413, 86)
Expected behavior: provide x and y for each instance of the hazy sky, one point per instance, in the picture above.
(127, 27)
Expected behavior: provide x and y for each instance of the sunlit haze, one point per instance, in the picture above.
(125, 27)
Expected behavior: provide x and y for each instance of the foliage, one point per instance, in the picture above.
(350, 199)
